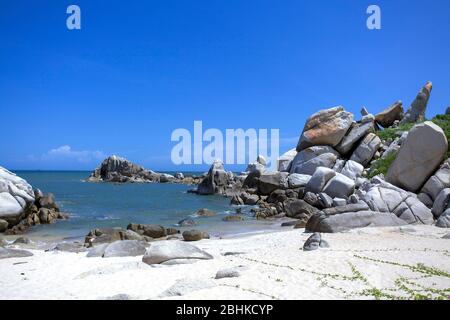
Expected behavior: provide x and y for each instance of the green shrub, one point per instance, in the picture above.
(392, 133)
(381, 165)
(443, 121)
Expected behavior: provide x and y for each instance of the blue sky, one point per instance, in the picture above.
(137, 70)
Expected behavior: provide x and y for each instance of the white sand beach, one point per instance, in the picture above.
(394, 263)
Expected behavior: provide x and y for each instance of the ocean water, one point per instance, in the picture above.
(101, 205)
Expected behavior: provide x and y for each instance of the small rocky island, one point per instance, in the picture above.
(120, 170)
(21, 206)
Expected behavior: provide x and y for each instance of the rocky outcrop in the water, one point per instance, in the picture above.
(116, 169)
(120, 170)
(216, 181)
(22, 207)
(416, 111)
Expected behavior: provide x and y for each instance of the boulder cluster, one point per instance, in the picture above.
(21, 206)
(326, 183)
(120, 170)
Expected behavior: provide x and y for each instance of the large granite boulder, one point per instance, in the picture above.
(164, 251)
(216, 181)
(271, 181)
(326, 127)
(441, 203)
(356, 133)
(444, 220)
(297, 180)
(299, 209)
(322, 222)
(388, 116)
(352, 169)
(418, 157)
(125, 248)
(384, 197)
(120, 170)
(339, 186)
(319, 179)
(6, 253)
(16, 196)
(366, 149)
(309, 159)
(416, 111)
(435, 184)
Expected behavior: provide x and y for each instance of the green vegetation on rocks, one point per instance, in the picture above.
(443, 121)
(381, 165)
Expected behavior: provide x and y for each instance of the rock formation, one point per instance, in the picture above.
(22, 207)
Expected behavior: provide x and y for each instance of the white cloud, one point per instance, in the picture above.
(67, 153)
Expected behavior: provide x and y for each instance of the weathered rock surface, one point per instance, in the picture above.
(164, 251)
(387, 117)
(309, 159)
(297, 180)
(444, 220)
(339, 186)
(269, 182)
(326, 127)
(299, 209)
(384, 197)
(356, 133)
(117, 169)
(125, 248)
(16, 195)
(366, 149)
(319, 179)
(195, 235)
(228, 273)
(416, 111)
(435, 184)
(352, 169)
(418, 157)
(314, 242)
(350, 220)
(216, 181)
(14, 253)
(441, 203)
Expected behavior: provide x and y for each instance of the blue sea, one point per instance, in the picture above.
(101, 205)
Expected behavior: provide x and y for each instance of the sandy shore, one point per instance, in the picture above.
(407, 262)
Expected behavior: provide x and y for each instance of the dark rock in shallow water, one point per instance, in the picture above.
(232, 218)
(186, 222)
(205, 213)
(116, 169)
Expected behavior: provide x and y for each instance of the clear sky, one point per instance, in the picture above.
(137, 70)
